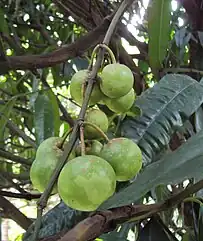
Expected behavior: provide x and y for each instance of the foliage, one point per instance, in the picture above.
(43, 43)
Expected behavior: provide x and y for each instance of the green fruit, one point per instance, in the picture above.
(46, 160)
(94, 148)
(85, 182)
(122, 104)
(77, 92)
(98, 118)
(116, 80)
(124, 156)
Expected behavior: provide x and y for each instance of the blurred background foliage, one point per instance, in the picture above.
(42, 44)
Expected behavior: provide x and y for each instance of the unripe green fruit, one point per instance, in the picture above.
(116, 80)
(98, 118)
(76, 89)
(92, 147)
(46, 160)
(124, 156)
(85, 182)
(122, 104)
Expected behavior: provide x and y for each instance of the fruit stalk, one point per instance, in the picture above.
(65, 137)
(74, 136)
(82, 139)
(102, 46)
(98, 129)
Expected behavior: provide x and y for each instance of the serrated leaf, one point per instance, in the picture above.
(159, 13)
(164, 108)
(3, 25)
(46, 116)
(184, 163)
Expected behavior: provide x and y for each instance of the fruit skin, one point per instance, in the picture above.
(76, 88)
(98, 118)
(46, 160)
(116, 80)
(122, 104)
(85, 182)
(92, 147)
(124, 156)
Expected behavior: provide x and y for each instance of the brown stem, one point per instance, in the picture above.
(14, 213)
(27, 196)
(82, 139)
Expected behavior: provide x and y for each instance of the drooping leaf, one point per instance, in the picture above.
(186, 162)
(159, 12)
(164, 108)
(46, 116)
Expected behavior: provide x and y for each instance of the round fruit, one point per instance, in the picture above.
(76, 89)
(122, 104)
(47, 157)
(98, 118)
(85, 182)
(94, 148)
(124, 156)
(116, 80)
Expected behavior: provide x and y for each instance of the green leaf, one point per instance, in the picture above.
(3, 25)
(46, 116)
(164, 107)
(186, 162)
(4, 116)
(159, 14)
(56, 75)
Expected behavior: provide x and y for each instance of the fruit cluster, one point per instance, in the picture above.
(89, 178)
(114, 88)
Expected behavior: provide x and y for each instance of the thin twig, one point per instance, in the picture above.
(15, 158)
(27, 196)
(82, 140)
(14, 213)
